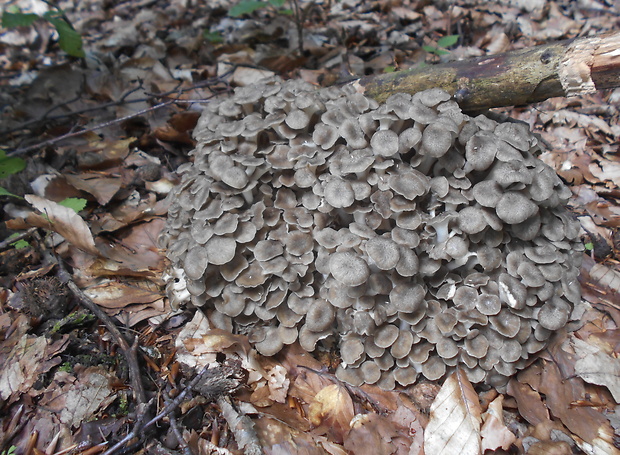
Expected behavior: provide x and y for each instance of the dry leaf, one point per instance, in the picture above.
(278, 383)
(118, 295)
(561, 389)
(454, 425)
(529, 402)
(331, 411)
(25, 358)
(103, 188)
(596, 367)
(63, 221)
(78, 398)
(606, 170)
(494, 432)
(372, 434)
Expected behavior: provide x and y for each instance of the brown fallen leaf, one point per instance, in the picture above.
(596, 367)
(102, 188)
(562, 388)
(372, 434)
(454, 425)
(114, 294)
(550, 448)
(529, 402)
(63, 221)
(331, 412)
(79, 396)
(25, 358)
(494, 432)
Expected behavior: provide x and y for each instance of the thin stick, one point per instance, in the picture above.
(130, 352)
(22, 235)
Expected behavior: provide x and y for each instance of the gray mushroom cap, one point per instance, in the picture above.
(348, 269)
(514, 207)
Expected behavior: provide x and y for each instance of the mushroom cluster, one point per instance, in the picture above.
(415, 237)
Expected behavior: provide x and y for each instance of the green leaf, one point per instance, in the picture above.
(213, 37)
(277, 3)
(12, 20)
(4, 192)
(447, 41)
(286, 12)
(435, 50)
(589, 246)
(19, 244)
(389, 69)
(74, 203)
(10, 165)
(245, 7)
(69, 40)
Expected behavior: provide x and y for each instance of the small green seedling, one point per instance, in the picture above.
(442, 44)
(69, 40)
(250, 6)
(213, 37)
(77, 204)
(18, 244)
(589, 246)
(9, 165)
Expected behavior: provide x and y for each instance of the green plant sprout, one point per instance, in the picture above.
(442, 45)
(77, 204)
(249, 6)
(9, 165)
(297, 13)
(19, 244)
(213, 37)
(69, 40)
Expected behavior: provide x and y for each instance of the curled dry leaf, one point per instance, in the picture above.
(332, 411)
(118, 295)
(63, 221)
(596, 367)
(494, 432)
(454, 425)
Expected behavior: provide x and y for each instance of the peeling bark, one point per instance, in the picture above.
(564, 68)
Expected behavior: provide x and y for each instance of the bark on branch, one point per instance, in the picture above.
(564, 68)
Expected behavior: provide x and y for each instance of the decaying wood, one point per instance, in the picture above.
(564, 68)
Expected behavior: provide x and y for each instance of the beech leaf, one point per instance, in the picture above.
(454, 425)
(332, 409)
(597, 367)
(63, 221)
(494, 432)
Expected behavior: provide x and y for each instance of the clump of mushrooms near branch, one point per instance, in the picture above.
(408, 235)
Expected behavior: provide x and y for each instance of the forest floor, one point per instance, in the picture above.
(90, 146)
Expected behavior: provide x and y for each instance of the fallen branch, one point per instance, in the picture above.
(241, 426)
(209, 382)
(564, 68)
(130, 352)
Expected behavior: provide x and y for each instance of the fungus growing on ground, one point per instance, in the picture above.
(414, 237)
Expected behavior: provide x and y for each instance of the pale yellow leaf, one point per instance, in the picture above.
(63, 221)
(332, 409)
(494, 432)
(454, 425)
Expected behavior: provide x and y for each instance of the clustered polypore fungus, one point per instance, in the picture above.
(416, 237)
